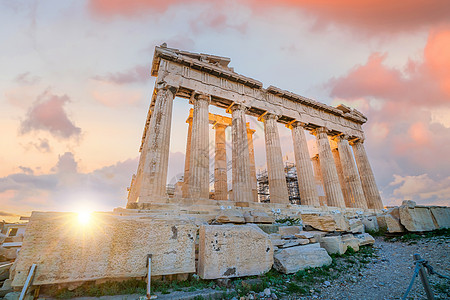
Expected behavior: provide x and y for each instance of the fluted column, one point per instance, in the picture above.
(154, 179)
(199, 158)
(220, 164)
(251, 151)
(306, 185)
(331, 184)
(340, 172)
(275, 168)
(319, 180)
(354, 187)
(242, 190)
(185, 188)
(369, 185)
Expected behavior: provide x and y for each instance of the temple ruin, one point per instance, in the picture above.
(208, 80)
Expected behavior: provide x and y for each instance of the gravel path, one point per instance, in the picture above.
(388, 276)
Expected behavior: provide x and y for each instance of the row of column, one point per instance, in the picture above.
(343, 185)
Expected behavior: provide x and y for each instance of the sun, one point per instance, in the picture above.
(84, 217)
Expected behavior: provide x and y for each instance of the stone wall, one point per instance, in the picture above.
(110, 246)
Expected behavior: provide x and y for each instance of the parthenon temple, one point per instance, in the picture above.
(341, 164)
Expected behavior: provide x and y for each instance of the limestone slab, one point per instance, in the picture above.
(333, 244)
(365, 239)
(350, 241)
(323, 223)
(233, 251)
(289, 230)
(441, 216)
(230, 216)
(111, 246)
(370, 223)
(416, 219)
(291, 260)
(356, 226)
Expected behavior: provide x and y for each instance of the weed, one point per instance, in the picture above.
(289, 221)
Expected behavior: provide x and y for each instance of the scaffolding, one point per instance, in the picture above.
(291, 181)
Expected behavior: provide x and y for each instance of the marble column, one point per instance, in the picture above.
(306, 184)
(199, 157)
(319, 180)
(242, 189)
(330, 177)
(354, 187)
(251, 151)
(220, 164)
(157, 143)
(185, 188)
(340, 172)
(369, 186)
(275, 168)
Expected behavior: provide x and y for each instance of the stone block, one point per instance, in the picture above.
(317, 234)
(393, 224)
(291, 243)
(233, 251)
(350, 241)
(333, 244)
(110, 246)
(356, 226)
(269, 228)
(289, 230)
(370, 224)
(260, 216)
(2, 238)
(441, 216)
(230, 216)
(323, 223)
(416, 219)
(381, 221)
(291, 260)
(8, 253)
(342, 223)
(304, 235)
(365, 239)
(303, 241)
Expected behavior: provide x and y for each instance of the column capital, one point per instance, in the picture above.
(319, 130)
(293, 124)
(162, 85)
(237, 106)
(339, 137)
(268, 116)
(353, 141)
(196, 96)
(219, 125)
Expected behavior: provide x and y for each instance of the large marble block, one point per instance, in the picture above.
(233, 251)
(109, 246)
(291, 260)
(416, 219)
(441, 216)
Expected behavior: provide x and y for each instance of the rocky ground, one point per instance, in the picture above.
(389, 272)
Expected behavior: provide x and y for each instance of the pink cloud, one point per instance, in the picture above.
(47, 113)
(129, 8)
(371, 16)
(137, 74)
(26, 79)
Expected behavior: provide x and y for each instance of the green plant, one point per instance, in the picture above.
(289, 221)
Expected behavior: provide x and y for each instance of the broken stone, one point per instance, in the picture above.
(409, 203)
(227, 251)
(333, 244)
(291, 260)
(304, 235)
(303, 241)
(350, 241)
(288, 237)
(247, 217)
(323, 223)
(416, 219)
(260, 216)
(365, 239)
(441, 216)
(269, 228)
(356, 226)
(230, 216)
(342, 223)
(288, 244)
(370, 223)
(289, 230)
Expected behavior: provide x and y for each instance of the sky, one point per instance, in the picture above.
(75, 87)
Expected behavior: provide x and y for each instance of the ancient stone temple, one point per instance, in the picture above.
(342, 163)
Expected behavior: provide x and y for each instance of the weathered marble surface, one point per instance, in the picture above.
(291, 260)
(233, 251)
(112, 246)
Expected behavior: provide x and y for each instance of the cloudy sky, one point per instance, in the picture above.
(75, 87)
